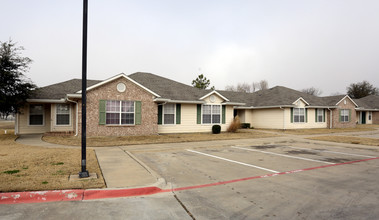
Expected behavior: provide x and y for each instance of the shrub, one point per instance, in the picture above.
(245, 125)
(216, 129)
(235, 125)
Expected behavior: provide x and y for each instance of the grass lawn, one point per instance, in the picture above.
(29, 168)
(348, 140)
(312, 131)
(155, 139)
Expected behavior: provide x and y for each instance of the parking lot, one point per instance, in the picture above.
(295, 180)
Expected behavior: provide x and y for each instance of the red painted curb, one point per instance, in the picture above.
(41, 196)
(116, 193)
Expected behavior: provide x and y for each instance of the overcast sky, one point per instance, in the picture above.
(298, 44)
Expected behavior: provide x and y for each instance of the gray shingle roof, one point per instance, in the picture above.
(60, 90)
(170, 89)
(368, 102)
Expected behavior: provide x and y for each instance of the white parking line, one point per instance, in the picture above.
(334, 152)
(283, 155)
(233, 161)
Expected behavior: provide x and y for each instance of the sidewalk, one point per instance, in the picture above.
(120, 168)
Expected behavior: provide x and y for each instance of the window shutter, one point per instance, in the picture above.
(340, 115)
(316, 115)
(178, 112)
(306, 115)
(160, 114)
(291, 115)
(223, 113)
(198, 113)
(137, 114)
(323, 112)
(102, 112)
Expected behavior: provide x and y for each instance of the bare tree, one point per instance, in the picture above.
(312, 91)
(261, 85)
(248, 88)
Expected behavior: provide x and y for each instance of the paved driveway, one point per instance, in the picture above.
(271, 178)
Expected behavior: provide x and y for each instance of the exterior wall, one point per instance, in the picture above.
(336, 115)
(265, 118)
(375, 118)
(277, 118)
(310, 123)
(23, 121)
(109, 91)
(189, 121)
(62, 128)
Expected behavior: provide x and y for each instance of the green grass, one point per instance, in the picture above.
(11, 171)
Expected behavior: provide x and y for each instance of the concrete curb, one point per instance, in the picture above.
(161, 182)
(74, 195)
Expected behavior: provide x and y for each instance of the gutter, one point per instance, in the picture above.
(177, 101)
(331, 118)
(47, 100)
(284, 117)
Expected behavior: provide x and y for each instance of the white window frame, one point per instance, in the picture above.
(43, 115)
(299, 114)
(56, 115)
(120, 112)
(345, 113)
(318, 114)
(163, 114)
(202, 114)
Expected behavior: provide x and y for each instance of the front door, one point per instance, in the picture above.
(363, 117)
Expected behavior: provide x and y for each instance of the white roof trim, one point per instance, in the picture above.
(47, 100)
(116, 77)
(214, 92)
(303, 100)
(233, 103)
(178, 101)
(349, 99)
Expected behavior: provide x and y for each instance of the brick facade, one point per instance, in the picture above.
(109, 91)
(336, 123)
(375, 118)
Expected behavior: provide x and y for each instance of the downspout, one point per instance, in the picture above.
(16, 125)
(331, 119)
(284, 117)
(76, 120)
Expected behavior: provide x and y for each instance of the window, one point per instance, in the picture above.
(211, 114)
(298, 115)
(119, 112)
(369, 116)
(320, 115)
(36, 115)
(63, 114)
(169, 114)
(345, 115)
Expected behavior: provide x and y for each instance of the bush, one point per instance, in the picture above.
(235, 125)
(216, 129)
(245, 125)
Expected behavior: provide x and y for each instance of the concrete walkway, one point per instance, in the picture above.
(120, 168)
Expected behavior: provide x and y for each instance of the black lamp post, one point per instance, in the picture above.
(84, 173)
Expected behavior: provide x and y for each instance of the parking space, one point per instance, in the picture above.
(201, 166)
(286, 180)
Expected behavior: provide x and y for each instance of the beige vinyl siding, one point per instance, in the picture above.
(188, 121)
(277, 118)
(265, 118)
(218, 99)
(23, 122)
(311, 122)
(61, 128)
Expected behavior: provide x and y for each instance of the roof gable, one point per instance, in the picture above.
(121, 75)
(214, 92)
(346, 96)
